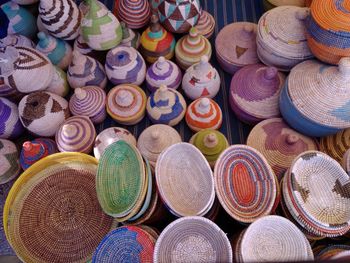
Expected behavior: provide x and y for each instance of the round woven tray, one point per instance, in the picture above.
(336, 145)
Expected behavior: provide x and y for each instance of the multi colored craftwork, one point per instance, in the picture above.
(9, 161)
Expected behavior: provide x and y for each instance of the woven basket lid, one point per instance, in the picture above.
(156, 138)
(300, 3)
(166, 106)
(15, 41)
(185, 180)
(56, 197)
(329, 85)
(336, 145)
(109, 136)
(190, 48)
(163, 72)
(192, 239)
(89, 101)
(346, 161)
(100, 29)
(81, 46)
(121, 180)
(76, 134)
(202, 114)
(85, 71)
(126, 103)
(315, 193)
(135, 13)
(238, 37)
(206, 24)
(125, 244)
(9, 161)
(279, 143)
(61, 18)
(328, 252)
(125, 65)
(59, 84)
(25, 69)
(10, 124)
(131, 38)
(33, 151)
(274, 238)
(245, 183)
(201, 80)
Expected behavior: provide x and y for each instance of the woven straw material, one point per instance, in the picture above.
(76, 134)
(15, 41)
(331, 251)
(131, 38)
(336, 145)
(254, 93)
(316, 195)
(185, 180)
(206, 24)
(59, 84)
(125, 244)
(274, 238)
(192, 239)
(10, 124)
(135, 13)
(9, 161)
(100, 29)
(109, 136)
(344, 255)
(81, 46)
(43, 112)
(279, 143)
(245, 183)
(300, 3)
(61, 18)
(126, 104)
(56, 197)
(346, 161)
(121, 180)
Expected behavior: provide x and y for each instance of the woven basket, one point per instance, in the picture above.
(10, 124)
(206, 24)
(346, 161)
(163, 72)
(82, 47)
(190, 48)
(125, 65)
(15, 41)
(275, 3)
(166, 106)
(135, 13)
(126, 104)
(185, 180)
(245, 183)
(59, 84)
(192, 239)
(201, 80)
(156, 42)
(9, 161)
(56, 197)
(329, 252)
(279, 144)
(131, 38)
(336, 145)
(235, 46)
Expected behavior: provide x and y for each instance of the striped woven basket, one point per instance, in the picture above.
(10, 124)
(336, 145)
(9, 161)
(206, 24)
(135, 13)
(269, 4)
(131, 38)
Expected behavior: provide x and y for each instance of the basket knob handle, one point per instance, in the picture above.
(211, 140)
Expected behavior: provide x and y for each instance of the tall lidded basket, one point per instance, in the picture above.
(135, 13)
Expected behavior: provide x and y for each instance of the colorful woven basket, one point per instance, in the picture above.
(59, 84)
(135, 13)
(254, 93)
(131, 38)
(328, 252)
(9, 161)
(269, 4)
(15, 41)
(206, 24)
(10, 124)
(56, 197)
(245, 183)
(336, 145)
(192, 239)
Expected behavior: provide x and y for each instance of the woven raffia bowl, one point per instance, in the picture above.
(192, 239)
(206, 24)
(131, 38)
(59, 84)
(56, 197)
(269, 4)
(185, 180)
(16, 40)
(135, 13)
(10, 124)
(316, 194)
(336, 145)
(9, 161)
(245, 183)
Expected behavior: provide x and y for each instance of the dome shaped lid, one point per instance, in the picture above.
(210, 142)
(155, 32)
(206, 24)
(134, 12)
(202, 72)
(193, 44)
(163, 68)
(204, 111)
(87, 101)
(122, 57)
(96, 10)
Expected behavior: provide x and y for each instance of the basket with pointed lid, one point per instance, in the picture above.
(336, 145)
(201, 80)
(61, 18)
(279, 143)
(154, 139)
(211, 143)
(206, 24)
(33, 151)
(202, 114)
(327, 110)
(190, 49)
(315, 191)
(9, 161)
(126, 104)
(100, 29)
(59, 84)
(131, 38)
(24, 69)
(125, 65)
(58, 51)
(254, 93)
(235, 46)
(135, 13)
(89, 101)
(276, 45)
(156, 42)
(166, 106)
(82, 47)
(16, 40)
(163, 72)
(179, 16)
(269, 4)
(42, 113)
(10, 124)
